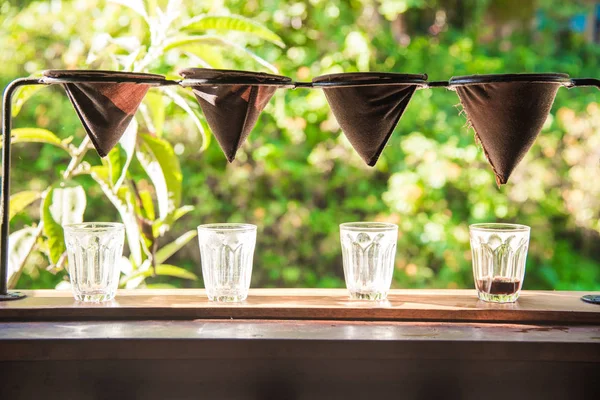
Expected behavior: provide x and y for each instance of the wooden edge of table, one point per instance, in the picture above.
(548, 307)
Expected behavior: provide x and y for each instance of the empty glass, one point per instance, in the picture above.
(499, 255)
(93, 250)
(368, 250)
(226, 252)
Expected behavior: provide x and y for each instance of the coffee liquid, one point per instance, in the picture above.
(499, 285)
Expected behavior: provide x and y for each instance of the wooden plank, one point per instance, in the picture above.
(314, 304)
(261, 339)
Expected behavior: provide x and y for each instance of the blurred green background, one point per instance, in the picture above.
(297, 177)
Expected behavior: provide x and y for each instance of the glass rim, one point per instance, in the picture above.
(227, 226)
(369, 226)
(94, 226)
(499, 226)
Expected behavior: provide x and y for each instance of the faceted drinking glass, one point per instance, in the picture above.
(499, 254)
(368, 250)
(93, 250)
(226, 252)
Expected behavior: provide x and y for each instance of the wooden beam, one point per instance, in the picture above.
(308, 304)
(258, 359)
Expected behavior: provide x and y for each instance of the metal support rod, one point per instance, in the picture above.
(436, 84)
(307, 85)
(5, 195)
(585, 82)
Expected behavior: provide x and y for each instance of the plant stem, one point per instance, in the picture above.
(76, 159)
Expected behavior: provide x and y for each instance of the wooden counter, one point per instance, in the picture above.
(300, 344)
(317, 304)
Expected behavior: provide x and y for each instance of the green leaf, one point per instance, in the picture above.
(21, 96)
(162, 225)
(183, 104)
(205, 56)
(114, 162)
(162, 166)
(214, 40)
(37, 135)
(20, 201)
(135, 5)
(53, 231)
(177, 272)
(148, 205)
(232, 23)
(119, 158)
(62, 205)
(156, 105)
(168, 250)
(19, 245)
(127, 142)
(122, 202)
(164, 270)
(186, 41)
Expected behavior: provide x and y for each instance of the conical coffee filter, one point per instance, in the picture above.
(507, 113)
(106, 102)
(368, 106)
(232, 101)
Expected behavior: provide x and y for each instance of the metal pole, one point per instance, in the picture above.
(5, 195)
(585, 82)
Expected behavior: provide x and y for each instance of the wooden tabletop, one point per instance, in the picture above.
(548, 307)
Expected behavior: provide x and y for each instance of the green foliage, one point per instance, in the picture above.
(141, 177)
(64, 204)
(226, 23)
(162, 166)
(297, 177)
(37, 135)
(20, 201)
(164, 270)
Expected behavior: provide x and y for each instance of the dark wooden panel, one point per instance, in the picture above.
(402, 305)
(257, 359)
(298, 379)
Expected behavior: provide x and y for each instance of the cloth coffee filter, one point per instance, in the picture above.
(106, 107)
(507, 113)
(368, 106)
(232, 101)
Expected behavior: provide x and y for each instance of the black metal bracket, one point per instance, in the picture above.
(5, 195)
(233, 82)
(402, 79)
(584, 82)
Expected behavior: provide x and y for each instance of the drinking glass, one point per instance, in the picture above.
(226, 252)
(499, 254)
(93, 250)
(368, 250)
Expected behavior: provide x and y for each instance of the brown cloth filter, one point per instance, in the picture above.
(104, 108)
(232, 105)
(507, 117)
(367, 113)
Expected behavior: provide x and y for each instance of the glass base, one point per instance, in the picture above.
(94, 297)
(498, 298)
(228, 298)
(368, 295)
